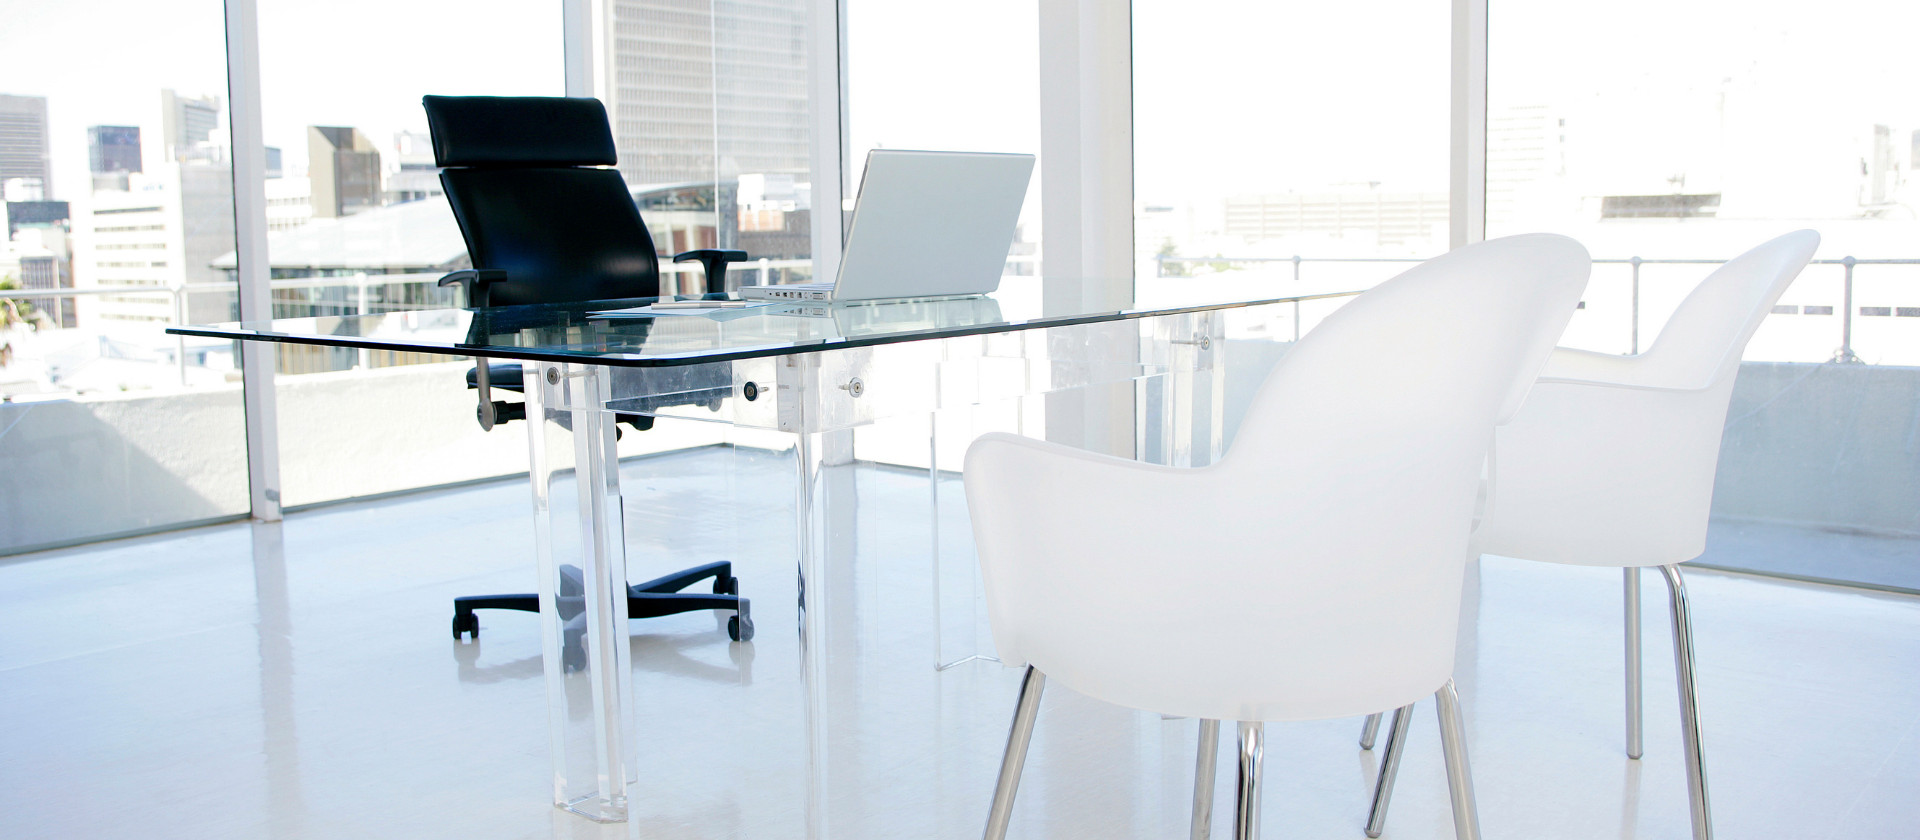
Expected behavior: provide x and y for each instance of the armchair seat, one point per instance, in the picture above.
(1259, 588)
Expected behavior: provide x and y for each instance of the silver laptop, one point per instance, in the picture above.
(925, 224)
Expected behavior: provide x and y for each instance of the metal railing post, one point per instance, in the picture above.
(179, 291)
(1845, 354)
(363, 356)
(1296, 304)
(766, 271)
(1636, 307)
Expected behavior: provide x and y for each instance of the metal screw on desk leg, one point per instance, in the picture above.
(855, 387)
(750, 391)
(553, 376)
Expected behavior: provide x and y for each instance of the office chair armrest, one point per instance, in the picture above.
(714, 260)
(475, 281)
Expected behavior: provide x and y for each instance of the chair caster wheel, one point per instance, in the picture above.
(740, 626)
(466, 623)
(740, 631)
(726, 586)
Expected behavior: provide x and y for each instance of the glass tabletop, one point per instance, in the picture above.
(573, 332)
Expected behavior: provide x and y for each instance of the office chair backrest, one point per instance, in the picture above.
(520, 174)
(1703, 340)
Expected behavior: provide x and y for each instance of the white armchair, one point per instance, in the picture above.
(1266, 586)
(1611, 461)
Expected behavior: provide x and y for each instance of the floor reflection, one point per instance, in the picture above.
(293, 680)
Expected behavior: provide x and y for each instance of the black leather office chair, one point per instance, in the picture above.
(545, 224)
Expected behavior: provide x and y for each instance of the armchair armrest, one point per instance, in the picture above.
(475, 281)
(1569, 366)
(714, 260)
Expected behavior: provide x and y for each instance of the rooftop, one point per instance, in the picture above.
(414, 236)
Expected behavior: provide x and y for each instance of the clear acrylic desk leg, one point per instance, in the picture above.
(579, 536)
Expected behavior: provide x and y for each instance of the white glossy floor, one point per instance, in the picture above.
(299, 680)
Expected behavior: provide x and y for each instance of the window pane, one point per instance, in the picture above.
(114, 161)
(710, 108)
(1675, 131)
(358, 224)
(974, 88)
(1266, 131)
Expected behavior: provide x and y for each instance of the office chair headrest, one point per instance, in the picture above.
(519, 131)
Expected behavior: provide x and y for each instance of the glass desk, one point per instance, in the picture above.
(813, 372)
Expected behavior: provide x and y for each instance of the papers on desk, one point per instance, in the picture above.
(718, 310)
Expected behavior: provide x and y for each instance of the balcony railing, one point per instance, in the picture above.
(1848, 311)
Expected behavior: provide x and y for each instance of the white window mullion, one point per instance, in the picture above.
(1467, 152)
(257, 358)
(827, 105)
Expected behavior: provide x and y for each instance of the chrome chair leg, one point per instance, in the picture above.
(1203, 770)
(1632, 593)
(1246, 813)
(1371, 729)
(1016, 757)
(1453, 743)
(1689, 704)
(1389, 768)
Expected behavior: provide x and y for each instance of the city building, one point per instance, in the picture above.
(38, 254)
(1388, 218)
(416, 238)
(187, 125)
(410, 172)
(24, 147)
(1526, 163)
(344, 169)
(289, 203)
(158, 236)
(113, 152)
(703, 93)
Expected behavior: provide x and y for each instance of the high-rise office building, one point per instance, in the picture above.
(344, 168)
(23, 141)
(113, 148)
(187, 125)
(113, 153)
(701, 91)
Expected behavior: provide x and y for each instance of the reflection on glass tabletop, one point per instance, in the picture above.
(571, 332)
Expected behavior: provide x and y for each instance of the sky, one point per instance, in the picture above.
(1231, 96)
(341, 62)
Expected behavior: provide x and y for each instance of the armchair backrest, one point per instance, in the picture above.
(1702, 342)
(1450, 345)
(524, 176)
(1361, 456)
(1619, 471)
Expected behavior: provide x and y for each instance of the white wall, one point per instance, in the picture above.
(95, 466)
